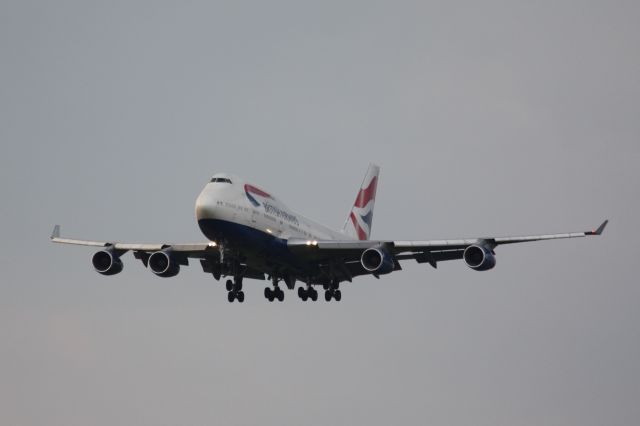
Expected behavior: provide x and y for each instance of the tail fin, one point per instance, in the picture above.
(358, 224)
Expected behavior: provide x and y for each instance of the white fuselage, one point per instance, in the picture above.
(228, 200)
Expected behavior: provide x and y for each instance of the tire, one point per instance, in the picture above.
(240, 296)
(314, 295)
(229, 285)
(268, 294)
(327, 296)
(301, 293)
(337, 295)
(230, 297)
(280, 295)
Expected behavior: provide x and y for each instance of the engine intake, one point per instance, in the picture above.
(479, 258)
(106, 262)
(377, 260)
(163, 264)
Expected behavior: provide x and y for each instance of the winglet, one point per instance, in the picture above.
(599, 230)
(56, 232)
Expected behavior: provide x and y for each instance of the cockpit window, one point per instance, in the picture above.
(220, 180)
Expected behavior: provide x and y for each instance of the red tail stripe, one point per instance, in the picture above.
(361, 234)
(365, 195)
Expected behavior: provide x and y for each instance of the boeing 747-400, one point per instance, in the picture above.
(252, 234)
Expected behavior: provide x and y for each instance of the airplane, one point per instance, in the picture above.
(252, 234)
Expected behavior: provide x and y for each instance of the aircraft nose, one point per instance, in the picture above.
(205, 206)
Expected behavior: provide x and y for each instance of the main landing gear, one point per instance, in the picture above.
(235, 290)
(275, 292)
(332, 291)
(307, 293)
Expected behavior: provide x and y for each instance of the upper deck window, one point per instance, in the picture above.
(220, 180)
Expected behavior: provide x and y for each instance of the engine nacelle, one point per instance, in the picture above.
(107, 262)
(163, 264)
(479, 258)
(377, 260)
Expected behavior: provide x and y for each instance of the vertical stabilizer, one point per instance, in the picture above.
(358, 224)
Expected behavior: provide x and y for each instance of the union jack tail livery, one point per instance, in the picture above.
(358, 224)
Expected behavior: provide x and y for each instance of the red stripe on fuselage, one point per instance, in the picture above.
(252, 189)
(367, 194)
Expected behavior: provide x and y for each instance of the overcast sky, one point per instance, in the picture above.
(487, 118)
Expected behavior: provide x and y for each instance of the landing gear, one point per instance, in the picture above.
(235, 290)
(231, 296)
(332, 291)
(333, 294)
(274, 293)
(307, 293)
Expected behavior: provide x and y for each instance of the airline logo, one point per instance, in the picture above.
(272, 207)
(362, 212)
(252, 191)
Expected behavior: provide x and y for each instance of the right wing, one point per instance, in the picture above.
(349, 252)
(208, 253)
(195, 250)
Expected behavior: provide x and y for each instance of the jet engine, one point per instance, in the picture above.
(163, 264)
(377, 260)
(479, 257)
(107, 262)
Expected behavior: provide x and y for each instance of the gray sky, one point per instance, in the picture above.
(488, 118)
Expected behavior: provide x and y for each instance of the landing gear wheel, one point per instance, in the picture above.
(240, 296)
(229, 285)
(280, 295)
(313, 295)
(337, 295)
(268, 293)
(327, 295)
(230, 297)
(302, 294)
